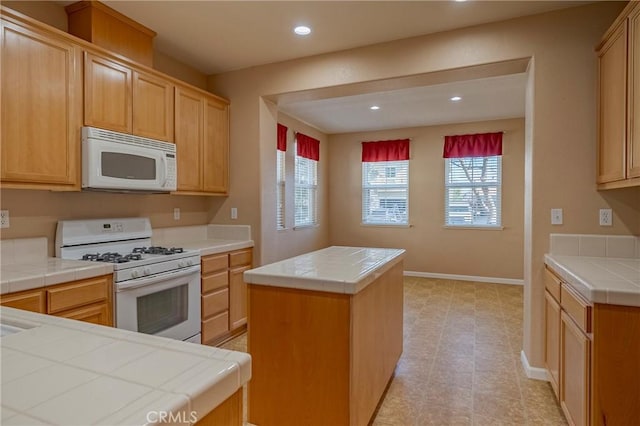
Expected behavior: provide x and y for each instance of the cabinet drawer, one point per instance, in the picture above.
(215, 281)
(215, 326)
(214, 303)
(80, 293)
(576, 307)
(30, 300)
(240, 258)
(215, 262)
(95, 314)
(552, 283)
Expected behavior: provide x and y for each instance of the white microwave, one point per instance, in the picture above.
(113, 161)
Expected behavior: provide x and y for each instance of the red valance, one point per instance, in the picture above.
(395, 150)
(308, 147)
(282, 137)
(477, 145)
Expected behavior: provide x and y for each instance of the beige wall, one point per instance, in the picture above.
(35, 213)
(430, 246)
(561, 137)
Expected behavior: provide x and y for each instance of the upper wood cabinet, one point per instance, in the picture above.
(122, 98)
(41, 109)
(202, 142)
(216, 146)
(619, 103)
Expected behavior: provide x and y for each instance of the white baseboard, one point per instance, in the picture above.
(495, 280)
(533, 372)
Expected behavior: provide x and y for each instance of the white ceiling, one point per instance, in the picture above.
(221, 36)
(482, 99)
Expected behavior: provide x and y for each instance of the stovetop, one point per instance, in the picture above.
(138, 253)
(126, 243)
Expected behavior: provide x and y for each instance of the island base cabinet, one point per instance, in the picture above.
(321, 358)
(229, 413)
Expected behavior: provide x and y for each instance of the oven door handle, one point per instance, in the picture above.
(154, 279)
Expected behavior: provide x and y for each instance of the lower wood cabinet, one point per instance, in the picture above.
(552, 342)
(89, 300)
(596, 350)
(575, 362)
(224, 295)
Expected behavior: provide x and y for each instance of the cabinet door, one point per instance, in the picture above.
(30, 300)
(552, 340)
(216, 146)
(152, 107)
(95, 314)
(41, 107)
(188, 139)
(575, 359)
(237, 297)
(612, 112)
(107, 94)
(633, 137)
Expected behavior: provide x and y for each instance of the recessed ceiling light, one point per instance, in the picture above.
(460, 0)
(456, 98)
(374, 107)
(302, 30)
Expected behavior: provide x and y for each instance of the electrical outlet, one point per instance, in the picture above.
(4, 218)
(606, 217)
(234, 213)
(556, 216)
(176, 214)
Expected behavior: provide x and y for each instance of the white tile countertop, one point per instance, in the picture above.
(66, 372)
(208, 239)
(603, 269)
(335, 269)
(25, 266)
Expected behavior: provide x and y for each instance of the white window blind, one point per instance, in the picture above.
(385, 192)
(280, 188)
(306, 191)
(473, 187)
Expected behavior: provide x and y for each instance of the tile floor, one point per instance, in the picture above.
(461, 360)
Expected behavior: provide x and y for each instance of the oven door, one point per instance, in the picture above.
(165, 305)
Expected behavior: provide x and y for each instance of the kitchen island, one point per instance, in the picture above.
(325, 334)
(63, 372)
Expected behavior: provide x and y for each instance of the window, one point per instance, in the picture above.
(385, 192)
(281, 175)
(473, 187)
(306, 181)
(385, 182)
(280, 180)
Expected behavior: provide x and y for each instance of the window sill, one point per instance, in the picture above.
(300, 227)
(387, 225)
(475, 228)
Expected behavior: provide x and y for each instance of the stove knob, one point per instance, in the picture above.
(134, 274)
(147, 271)
(180, 264)
(189, 262)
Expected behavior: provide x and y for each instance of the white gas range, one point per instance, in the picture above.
(157, 289)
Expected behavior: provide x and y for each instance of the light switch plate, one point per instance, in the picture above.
(234, 213)
(556, 216)
(176, 213)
